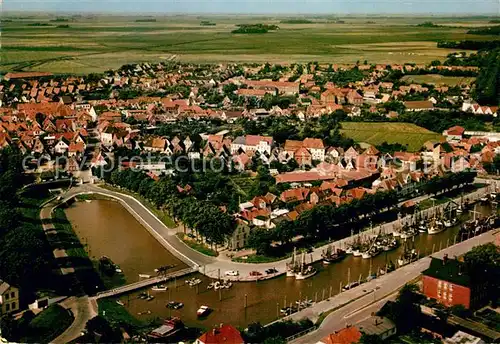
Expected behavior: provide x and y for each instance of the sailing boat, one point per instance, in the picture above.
(305, 271)
(409, 254)
(291, 267)
(332, 255)
(435, 227)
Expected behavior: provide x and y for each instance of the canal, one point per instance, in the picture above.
(106, 228)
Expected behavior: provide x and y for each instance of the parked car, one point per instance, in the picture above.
(232, 273)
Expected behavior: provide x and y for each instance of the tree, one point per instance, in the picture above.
(483, 265)
(260, 240)
(370, 339)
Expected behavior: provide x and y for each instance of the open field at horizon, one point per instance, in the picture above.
(376, 133)
(437, 79)
(98, 43)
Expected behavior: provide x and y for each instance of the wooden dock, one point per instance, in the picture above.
(144, 283)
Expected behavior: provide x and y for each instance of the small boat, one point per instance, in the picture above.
(484, 199)
(143, 296)
(144, 276)
(350, 286)
(391, 245)
(332, 256)
(118, 270)
(203, 311)
(435, 229)
(88, 201)
(211, 286)
(120, 303)
(290, 272)
(356, 253)
(159, 287)
(175, 305)
(349, 250)
(309, 272)
(144, 312)
(150, 298)
(450, 223)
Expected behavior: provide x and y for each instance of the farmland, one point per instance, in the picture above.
(438, 80)
(407, 134)
(96, 43)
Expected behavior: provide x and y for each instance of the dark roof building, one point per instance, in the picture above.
(447, 281)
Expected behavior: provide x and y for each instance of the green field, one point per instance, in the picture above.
(438, 80)
(376, 133)
(98, 43)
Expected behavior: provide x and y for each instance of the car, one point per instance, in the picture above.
(255, 273)
(231, 273)
(271, 271)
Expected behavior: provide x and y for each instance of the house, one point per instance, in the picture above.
(9, 298)
(239, 237)
(348, 335)
(463, 338)
(252, 143)
(454, 133)
(375, 325)
(224, 334)
(419, 105)
(447, 281)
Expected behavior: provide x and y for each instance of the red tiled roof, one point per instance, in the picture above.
(225, 334)
(347, 335)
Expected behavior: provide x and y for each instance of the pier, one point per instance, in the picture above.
(144, 283)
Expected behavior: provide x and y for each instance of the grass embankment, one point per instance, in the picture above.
(162, 215)
(407, 134)
(47, 325)
(198, 246)
(67, 236)
(117, 314)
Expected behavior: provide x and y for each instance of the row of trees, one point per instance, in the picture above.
(336, 222)
(23, 249)
(201, 215)
(487, 89)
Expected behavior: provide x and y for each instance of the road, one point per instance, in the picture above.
(83, 310)
(357, 304)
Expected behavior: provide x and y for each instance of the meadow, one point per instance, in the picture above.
(376, 133)
(438, 80)
(97, 43)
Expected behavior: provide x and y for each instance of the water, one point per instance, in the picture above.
(109, 229)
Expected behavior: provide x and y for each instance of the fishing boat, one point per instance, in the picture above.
(390, 245)
(203, 311)
(308, 272)
(291, 268)
(159, 287)
(305, 271)
(408, 232)
(409, 254)
(435, 228)
(331, 255)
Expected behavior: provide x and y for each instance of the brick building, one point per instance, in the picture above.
(447, 281)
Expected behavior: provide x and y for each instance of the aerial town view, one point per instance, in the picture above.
(247, 171)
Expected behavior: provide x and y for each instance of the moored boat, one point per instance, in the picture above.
(203, 311)
(308, 272)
